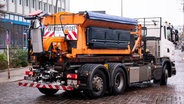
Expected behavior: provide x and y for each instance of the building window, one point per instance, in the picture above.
(45, 6)
(59, 9)
(50, 8)
(12, 17)
(27, 2)
(40, 5)
(16, 18)
(24, 39)
(63, 4)
(33, 3)
(20, 18)
(24, 20)
(3, 16)
(12, 1)
(7, 16)
(20, 2)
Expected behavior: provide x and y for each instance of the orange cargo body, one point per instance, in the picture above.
(82, 21)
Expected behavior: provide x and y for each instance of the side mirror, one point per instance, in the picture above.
(176, 35)
(176, 31)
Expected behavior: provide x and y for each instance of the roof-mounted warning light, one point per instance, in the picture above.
(35, 14)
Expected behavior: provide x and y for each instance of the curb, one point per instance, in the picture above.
(16, 74)
(4, 70)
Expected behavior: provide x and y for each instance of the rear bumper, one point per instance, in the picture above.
(44, 85)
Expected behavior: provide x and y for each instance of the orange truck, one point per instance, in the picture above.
(89, 52)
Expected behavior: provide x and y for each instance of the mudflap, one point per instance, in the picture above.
(173, 69)
(157, 72)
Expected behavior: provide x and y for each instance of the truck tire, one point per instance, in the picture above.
(156, 81)
(73, 93)
(119, 81)
(97, 85)
(48, 91)
(165, 75)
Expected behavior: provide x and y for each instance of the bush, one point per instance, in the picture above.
(3, 61)
(23, 58)
(18, 58)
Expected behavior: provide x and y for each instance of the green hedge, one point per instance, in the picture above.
(18, 58)
(3, 61)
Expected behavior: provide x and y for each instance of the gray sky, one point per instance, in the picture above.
(169, 10)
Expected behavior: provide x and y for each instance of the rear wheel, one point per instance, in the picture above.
(48, 91)
(119, 82)
(156, 81)
(72, 93)
(165, 75)
(97, 85)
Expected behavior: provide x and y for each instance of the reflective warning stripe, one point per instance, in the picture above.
(72, 35)
(49, 86)
(48, 33)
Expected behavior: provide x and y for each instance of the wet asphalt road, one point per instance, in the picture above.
(147, 93)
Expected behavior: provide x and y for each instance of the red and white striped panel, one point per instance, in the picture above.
(48, 33)
(72, 35)
(41, 85)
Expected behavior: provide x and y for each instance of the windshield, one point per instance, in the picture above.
(168, 34)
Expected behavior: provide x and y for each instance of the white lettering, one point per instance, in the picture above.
(65, 27)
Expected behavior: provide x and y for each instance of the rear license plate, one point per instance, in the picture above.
(71, 82)
(29, 78)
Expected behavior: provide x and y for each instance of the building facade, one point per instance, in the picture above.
(14, 23)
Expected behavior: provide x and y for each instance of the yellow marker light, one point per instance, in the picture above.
(106, 66)
(87, 74)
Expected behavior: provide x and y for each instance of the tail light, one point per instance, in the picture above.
(30, 73)
(72, 76)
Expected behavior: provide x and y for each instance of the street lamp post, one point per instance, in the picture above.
(121, 8)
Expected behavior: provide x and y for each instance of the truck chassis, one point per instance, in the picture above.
(91, 64)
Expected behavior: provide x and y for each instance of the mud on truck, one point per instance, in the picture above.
(90, 52)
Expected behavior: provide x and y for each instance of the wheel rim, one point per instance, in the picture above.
(119, 81)
(97, 83)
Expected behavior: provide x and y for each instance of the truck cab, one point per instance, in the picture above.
(161, 37)
(168, 41)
